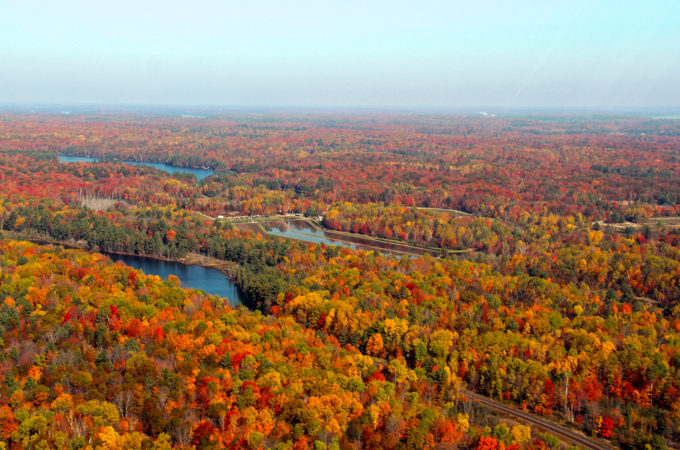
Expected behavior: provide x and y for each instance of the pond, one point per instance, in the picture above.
(207, 279)
(299, 229)
(198, 173)
(304, 231)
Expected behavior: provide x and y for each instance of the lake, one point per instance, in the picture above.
(207, 279)
(198, 173)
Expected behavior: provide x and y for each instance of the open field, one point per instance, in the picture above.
(652, 222)
(453, 212)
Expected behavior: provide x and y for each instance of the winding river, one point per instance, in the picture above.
(198, 173)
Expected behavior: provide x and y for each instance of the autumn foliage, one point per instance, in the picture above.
(552, 282)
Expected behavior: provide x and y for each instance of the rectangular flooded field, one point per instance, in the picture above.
(251, 227)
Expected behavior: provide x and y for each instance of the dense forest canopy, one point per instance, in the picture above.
(548, 278)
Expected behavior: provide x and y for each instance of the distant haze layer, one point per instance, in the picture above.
(342, 53)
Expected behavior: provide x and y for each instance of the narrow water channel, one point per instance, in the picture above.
(198, 173)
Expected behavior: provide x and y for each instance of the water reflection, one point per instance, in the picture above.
(207, 279)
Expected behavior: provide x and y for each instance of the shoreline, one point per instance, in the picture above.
(192, 259)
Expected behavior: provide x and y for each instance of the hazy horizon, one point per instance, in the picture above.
(211, 110)
(526, 55)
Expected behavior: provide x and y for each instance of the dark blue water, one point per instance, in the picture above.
(199, 173)
(207, 279)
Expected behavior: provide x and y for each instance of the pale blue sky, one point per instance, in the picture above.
(342, 53)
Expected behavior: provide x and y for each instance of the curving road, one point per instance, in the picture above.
(557, 430)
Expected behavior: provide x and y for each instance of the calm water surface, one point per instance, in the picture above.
(300, 229)
(199, 173)
(207, 279)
